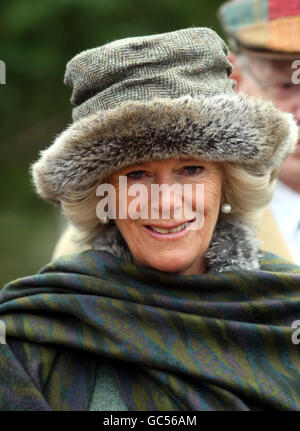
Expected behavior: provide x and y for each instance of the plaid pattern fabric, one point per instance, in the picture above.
(272, 25)
(220, 341)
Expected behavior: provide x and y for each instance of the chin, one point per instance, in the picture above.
(170, 262)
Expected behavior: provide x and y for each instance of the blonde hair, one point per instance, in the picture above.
(79, 207)
(247, 193)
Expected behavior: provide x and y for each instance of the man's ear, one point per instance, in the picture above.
(236, 74)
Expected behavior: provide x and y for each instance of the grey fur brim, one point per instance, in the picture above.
(224, 128)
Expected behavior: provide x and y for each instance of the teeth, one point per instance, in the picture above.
(175, 229)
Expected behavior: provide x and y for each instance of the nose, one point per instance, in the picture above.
(167, 197)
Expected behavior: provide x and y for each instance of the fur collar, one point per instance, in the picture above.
(233, 246)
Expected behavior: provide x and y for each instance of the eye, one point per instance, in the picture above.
(192, 170)
(136, 175)
(283, 86)
(286, 86)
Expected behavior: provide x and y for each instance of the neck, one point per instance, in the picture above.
(197, 268)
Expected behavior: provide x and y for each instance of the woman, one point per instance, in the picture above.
(168, 309)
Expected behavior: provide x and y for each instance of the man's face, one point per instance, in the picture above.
(272, 80)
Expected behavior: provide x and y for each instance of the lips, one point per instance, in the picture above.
(168, 231)
(168, 225)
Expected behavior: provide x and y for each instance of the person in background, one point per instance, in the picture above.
(264, 36)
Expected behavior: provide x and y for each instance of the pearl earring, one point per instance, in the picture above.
(226, 208)
(104, 220)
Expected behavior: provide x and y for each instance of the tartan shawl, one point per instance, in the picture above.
(217, 341)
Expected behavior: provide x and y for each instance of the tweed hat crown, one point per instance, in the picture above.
(185, 62)
(157, 97)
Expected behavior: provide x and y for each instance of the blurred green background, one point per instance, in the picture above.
(37, 38)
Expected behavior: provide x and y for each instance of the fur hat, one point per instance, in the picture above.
(156, 97)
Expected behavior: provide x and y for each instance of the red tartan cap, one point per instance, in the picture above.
(263, 27)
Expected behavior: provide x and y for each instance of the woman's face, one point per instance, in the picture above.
(151, 238)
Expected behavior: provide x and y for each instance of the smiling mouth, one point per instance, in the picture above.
(169, 230)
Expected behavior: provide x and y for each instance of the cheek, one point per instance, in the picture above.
(126, 227)
(130, 204)
(283, 106)
(249, 87)
(130, 231)
(211, 196)
(214, 195)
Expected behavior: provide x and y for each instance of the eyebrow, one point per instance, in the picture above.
(145, 165)
(188, 160)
